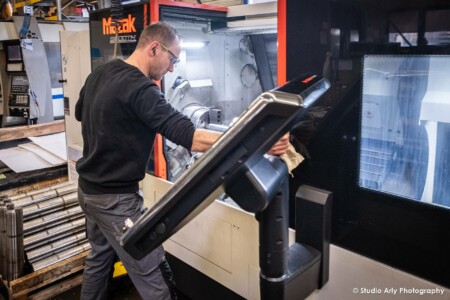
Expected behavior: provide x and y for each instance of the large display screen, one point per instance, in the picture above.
(405, 127)
(269, 117)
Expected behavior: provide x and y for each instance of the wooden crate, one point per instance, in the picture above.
(20, 132)
(50, 281)
(34, 186)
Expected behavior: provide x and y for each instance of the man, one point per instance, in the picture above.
(121, 109)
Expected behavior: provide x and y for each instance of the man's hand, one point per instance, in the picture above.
(281, 146)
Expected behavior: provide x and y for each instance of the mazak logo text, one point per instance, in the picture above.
(126, 25)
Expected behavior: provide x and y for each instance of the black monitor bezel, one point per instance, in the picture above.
(245, 142)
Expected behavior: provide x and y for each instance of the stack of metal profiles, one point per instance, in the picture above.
(11, 239)
(43, 227)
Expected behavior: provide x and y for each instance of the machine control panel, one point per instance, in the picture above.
(19, 91)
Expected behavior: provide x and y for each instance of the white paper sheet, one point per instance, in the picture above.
(49, 157)
(21, 160)
(54, 143)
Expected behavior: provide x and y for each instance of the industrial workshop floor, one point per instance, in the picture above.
(121, 289)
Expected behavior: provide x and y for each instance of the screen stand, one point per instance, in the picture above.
(286, 272)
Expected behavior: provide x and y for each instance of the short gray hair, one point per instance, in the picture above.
(160, 31)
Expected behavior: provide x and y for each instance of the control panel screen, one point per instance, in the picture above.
(269, 117)
(14, 53)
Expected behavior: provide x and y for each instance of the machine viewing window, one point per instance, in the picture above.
(405, 127)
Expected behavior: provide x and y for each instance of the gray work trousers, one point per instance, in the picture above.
(105, 223)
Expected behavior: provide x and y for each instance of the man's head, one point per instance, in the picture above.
(158, 49)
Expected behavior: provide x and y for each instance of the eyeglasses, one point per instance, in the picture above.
(173, 58)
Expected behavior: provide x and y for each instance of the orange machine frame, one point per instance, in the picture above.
(160, 163)
(281, 23)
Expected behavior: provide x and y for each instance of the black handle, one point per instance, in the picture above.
(62, 80)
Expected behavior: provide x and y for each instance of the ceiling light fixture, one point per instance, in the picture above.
(194, 45)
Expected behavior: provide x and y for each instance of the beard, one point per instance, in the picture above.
(155, 76)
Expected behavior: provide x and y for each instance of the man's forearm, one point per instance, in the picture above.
(204, 139)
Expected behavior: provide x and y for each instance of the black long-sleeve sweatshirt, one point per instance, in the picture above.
(121, 110)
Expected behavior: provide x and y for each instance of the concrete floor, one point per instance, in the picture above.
(121, 289)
